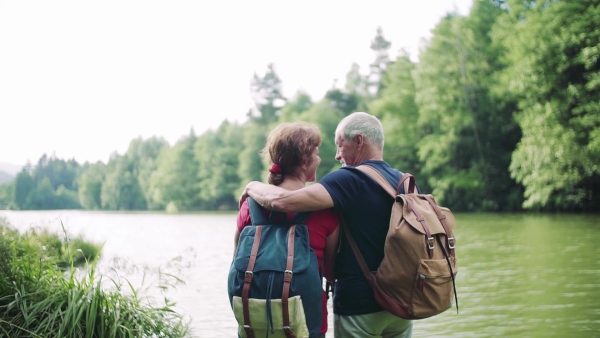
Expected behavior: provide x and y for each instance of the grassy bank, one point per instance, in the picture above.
(50, 287)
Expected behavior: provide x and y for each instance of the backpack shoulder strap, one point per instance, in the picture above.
(256, 213)
(258, 216)
(378, 177)
(359, 257)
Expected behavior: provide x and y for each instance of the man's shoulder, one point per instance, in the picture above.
(379, 164)
(340, 173)
(352, 172)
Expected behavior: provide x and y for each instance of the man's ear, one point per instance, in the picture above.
(359, 139)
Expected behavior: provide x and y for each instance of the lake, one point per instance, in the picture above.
(520, 275)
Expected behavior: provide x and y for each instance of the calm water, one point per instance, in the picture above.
(519, 275)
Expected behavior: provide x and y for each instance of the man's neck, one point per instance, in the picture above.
(370, 154)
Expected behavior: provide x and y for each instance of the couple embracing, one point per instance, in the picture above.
(346, 194)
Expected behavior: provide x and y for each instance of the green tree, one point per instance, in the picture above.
(342, 102)
(24, 185)
(52, 184)
(7, 193)
(121, 190)
(42, 197)
(174, 183)
(59, 172)
(90, 185)
(357, 85)
(326, 116)
(399, 114)
(380, 46)
(251, 166)
(553, 72)
(468, 133)
(142, 156)
(217, 154)
(267, 93)
(296, 106)
(268, 98)
(443, 114)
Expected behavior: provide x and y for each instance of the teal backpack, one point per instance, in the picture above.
(274, 282)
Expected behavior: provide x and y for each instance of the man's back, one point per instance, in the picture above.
(365, 207)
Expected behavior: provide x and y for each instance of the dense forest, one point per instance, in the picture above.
(500, 113)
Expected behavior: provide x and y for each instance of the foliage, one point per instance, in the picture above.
(90, 186)
(267, 93)
(37, 299)
(6, 195)
(398, 112)
(325, 115)
(468, 133)
(296, 106)
(217, 154)
(357, 85)
(143, 156)
(380, 46)
(553, 72)
(174, 180)
(501, 112)
(51, 184)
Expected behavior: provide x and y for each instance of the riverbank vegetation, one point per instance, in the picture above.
(501, 112)
(51, 287)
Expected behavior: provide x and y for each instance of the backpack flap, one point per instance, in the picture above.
(416, 207)
(273, 244)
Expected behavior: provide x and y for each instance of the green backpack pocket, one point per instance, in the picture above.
(261, 323)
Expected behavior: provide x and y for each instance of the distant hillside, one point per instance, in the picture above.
(11, 169)
(5, 177)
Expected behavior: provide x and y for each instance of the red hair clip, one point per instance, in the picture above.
(275, 169)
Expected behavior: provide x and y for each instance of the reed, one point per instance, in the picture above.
(39, 298)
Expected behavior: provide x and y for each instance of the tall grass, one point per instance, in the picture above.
(39, 298)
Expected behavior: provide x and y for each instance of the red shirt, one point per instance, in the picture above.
(321, 224)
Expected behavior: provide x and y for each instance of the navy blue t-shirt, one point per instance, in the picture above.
(366, 207)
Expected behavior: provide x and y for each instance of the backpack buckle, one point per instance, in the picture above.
(248, 276)
(288, 331)
(430, 243)
(249, 330)
(451, 242)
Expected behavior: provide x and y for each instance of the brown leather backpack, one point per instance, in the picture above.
(416, 278)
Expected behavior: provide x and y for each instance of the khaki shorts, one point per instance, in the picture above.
(372, 325)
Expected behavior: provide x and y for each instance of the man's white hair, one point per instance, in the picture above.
(362, 123)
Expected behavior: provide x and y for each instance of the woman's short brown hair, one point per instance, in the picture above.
(290, 145)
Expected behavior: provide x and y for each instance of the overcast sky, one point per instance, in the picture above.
(81, 79)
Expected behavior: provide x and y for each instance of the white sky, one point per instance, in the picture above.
(81, 79)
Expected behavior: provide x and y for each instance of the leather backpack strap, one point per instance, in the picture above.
(450, 240)
(409, 184)
(375, 175)
(409, 187)
(359, 257)
(287, 280)
(378, 177)
(248, 280)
